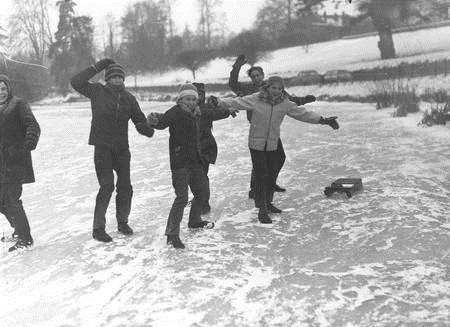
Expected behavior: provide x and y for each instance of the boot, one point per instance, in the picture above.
(21, 244)
(100, 235)
(124, 229)
(278, 188)
(201, 224)
(263, 217)
(175, 241)
(271, 208)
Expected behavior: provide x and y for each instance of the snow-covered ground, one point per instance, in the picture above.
(351, 54)
(380, 258)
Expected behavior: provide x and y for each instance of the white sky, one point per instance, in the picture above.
(236, 14)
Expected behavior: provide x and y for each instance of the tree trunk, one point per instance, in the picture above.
(386, 44)
(193, 73)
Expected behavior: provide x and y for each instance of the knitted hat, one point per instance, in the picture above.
(187, 89)
(114, 70)
(275, 79)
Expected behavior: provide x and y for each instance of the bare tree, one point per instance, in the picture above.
(30, 26)
(207, 19)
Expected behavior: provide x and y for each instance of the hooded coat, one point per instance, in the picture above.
(19, 135)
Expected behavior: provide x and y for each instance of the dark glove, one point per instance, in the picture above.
(240, 61)
(102, 64)
(29, 145)
(214, 101)
(309, 98)
(331, 121)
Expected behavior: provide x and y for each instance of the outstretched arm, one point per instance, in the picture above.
(241, 103)
(159, 120)
(300, 101)
(301, 114)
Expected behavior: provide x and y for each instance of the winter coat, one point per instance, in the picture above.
(19, 135)
(190, 142)
(208, 143)
(243, 89)
(267, 118)
(111, 111)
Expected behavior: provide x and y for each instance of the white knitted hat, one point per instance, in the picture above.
(187, 89)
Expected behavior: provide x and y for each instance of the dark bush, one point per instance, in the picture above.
(438, 115)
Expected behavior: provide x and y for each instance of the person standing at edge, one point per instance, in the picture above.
(269, 107)
(19, 135)
(112, 107)
(256, 75)
(186, 160)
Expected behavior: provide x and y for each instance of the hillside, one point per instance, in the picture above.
(351, 54)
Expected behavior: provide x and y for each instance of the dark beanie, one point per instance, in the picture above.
(114, 70)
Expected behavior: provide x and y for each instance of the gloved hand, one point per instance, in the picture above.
(153, 118)
(102, 64)
(240, 61)
(212, 100)
(29, 145)
(309, 98)
(331, 121)
(233, 112)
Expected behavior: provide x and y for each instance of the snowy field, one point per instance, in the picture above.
(380, 258)
(352, 54)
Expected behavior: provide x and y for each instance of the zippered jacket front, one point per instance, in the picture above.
(111, 111)
(267, 118)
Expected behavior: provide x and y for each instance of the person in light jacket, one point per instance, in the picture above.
(269, 107)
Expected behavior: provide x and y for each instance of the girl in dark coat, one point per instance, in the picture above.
(19, 135)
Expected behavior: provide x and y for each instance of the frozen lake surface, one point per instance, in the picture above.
(380, 258)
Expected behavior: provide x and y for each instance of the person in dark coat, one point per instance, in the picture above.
(256, 75)
(19, 135)
(208, 144)
(187, 162)
(112, 108)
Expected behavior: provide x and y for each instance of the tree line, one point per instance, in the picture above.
(145, 39)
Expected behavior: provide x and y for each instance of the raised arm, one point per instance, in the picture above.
(233, 82)
(139, 120)
(80, 82)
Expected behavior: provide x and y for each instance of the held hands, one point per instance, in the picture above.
(240, 61)
(213, 101)
(331, 121)
(102, 64)
(153, 118)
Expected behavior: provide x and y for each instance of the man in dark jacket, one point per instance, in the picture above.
(19, 135)
(187, 161)
(256, 74)
(112, 107)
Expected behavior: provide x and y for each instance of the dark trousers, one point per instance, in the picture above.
(265, 165)
(281, 158)
(11, 206)
(106, 161)
(194, 178)
(208, 190)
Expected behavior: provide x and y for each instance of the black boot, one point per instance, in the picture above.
(100, 235)
(271, 208)
(278, 188)
(21, 243)
(175, 241)
(201, 224)
(263, 216)
(124, 228)
(251, 194)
